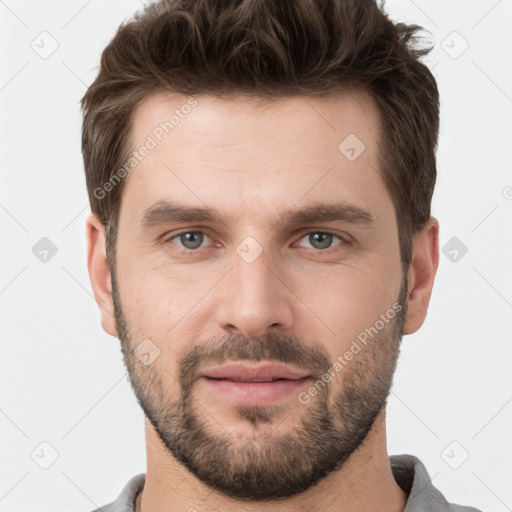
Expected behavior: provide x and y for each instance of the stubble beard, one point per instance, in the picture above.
(264, 465)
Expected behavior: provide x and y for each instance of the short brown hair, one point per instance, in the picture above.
(269, 49)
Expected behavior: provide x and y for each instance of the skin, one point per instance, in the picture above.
(255, 161)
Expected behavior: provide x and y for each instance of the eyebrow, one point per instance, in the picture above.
(166, 212)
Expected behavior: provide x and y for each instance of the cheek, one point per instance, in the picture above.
(146, 304)
(160, 304)
(349, 298)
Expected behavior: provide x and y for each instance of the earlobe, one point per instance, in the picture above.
(421, 275)
(99, 272)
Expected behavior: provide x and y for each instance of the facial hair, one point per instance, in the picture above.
(270, 466)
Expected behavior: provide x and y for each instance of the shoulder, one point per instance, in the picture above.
(125, 502)
(412, 476)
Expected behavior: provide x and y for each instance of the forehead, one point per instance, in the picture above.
(232, 153)
(225, 122)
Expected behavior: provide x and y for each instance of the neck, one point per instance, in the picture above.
(365, 482)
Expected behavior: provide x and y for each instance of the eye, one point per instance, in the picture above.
(322, 240)
(190, 240)
(193, 240)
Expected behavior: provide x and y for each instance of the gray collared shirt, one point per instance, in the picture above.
(409, 472)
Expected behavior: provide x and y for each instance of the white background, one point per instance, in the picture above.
(62, 380)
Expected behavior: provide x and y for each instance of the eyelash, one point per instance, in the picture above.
(344, 241)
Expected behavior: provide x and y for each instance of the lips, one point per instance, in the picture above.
(244, 372)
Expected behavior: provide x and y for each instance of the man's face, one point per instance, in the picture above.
(259, 287)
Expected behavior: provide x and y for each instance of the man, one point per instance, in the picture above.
(260, 176)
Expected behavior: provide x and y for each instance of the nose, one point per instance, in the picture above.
(254, 298)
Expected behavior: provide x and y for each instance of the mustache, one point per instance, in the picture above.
(272, 347)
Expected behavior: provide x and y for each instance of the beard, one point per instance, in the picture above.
(267, 466)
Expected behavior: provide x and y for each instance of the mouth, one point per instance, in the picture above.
(246, 384)
(249, 380)
(244, 372)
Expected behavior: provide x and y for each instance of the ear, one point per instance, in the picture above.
(422, 271)
(99, 272)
